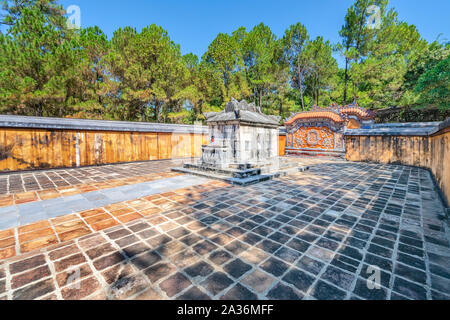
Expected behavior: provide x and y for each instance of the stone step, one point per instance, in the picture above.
(240, 174)
(212, 175)
(245, 173)
(235, 173)
(241, 166)
(207, 174)
(335, 154)
(250, 180)
(291, 170)
(239, 181)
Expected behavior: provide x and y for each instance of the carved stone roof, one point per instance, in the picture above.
(315, 115)
(244, 112)
(334, 112)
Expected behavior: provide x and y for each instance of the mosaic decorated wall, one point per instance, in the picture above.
(315, 136)
(320, 131)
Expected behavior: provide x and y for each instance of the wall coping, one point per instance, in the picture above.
(26, 122)
(444, 124)
(400, 129)
(282, 131)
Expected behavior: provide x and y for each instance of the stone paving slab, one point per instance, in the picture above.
(90, 179)
(27, 213)
(48, 194)
(55, 225)
(314, 235)
(29, 182)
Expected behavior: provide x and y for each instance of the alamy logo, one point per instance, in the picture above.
(73, 278)
(374, 279)
(74, 18)
(374, 20)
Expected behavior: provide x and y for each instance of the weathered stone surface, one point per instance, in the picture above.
(34, 290)
(27, 264)
(30, 276)
(243, 146)
(274, 240)
(77, 291)
(126, 287)
(175, 284)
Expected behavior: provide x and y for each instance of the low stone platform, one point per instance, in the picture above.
(242, 175)
(315, 153)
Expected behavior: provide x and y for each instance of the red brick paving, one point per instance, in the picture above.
(64, 228)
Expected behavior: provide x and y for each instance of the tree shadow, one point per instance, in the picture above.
(332, 207)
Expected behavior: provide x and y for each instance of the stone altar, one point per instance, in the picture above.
(241, 134)
(243, 146)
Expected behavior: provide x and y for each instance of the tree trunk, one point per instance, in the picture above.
(200, 107)
(142, 110)
(361, 25)
(316, 91)
(345, 80)
(157, 111)
(158, 114)
(225, 82)
(300, 80)
(39, 109)
(358, 44)
(301, 91)
(97, 89)
(318, 94)
(260, 98)
(281, 110)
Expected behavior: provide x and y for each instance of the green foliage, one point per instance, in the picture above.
(38, 64)
(434, 85)
(261, 56)
(356, 36)
(146, 70)
(412, 114)
(422, 59)
(223, 57)
(13, 11)
(49, 70)
(294, 42)
(321, 68)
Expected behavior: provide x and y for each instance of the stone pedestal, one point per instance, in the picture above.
(247, 135)
(214, 155)
(243, 146)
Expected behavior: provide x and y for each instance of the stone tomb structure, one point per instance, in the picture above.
(243, 146)
(241, 134)
(320, 132)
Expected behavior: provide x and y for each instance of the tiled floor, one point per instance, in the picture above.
(63, 179)
(27, 213)
(313, 235)
(60, 228)
(21, 198)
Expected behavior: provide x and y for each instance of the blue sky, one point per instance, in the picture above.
(195, 23)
